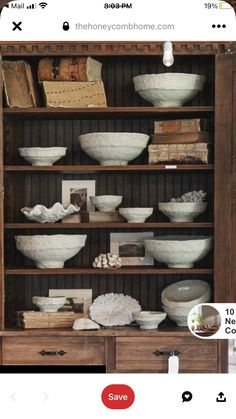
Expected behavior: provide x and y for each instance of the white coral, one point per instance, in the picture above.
(42, 214)
(114, 309)
(106, 261)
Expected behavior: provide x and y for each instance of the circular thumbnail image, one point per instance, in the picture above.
(204, 320)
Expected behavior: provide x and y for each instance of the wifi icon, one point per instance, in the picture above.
(43, 5)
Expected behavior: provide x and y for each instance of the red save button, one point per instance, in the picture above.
(118, 396)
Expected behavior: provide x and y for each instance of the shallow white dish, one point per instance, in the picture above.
(42, 214)
(49, 304)
(187, 293)
(50, 251)
(149, 319)
(178, 251)
(178, 314)
(113, 148)
(182, 212)
(136, 215)
(168, 89)
(106, 203)
(42, 156)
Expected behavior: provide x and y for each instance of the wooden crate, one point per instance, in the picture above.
(181, 138)
(40, 320)
(73, 94)
(181, 153)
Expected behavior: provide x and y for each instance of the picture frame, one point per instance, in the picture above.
(78, 300)
(77, 192)
(130, 248)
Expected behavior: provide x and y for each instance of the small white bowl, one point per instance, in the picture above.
(182, 212)
(42, 156)
(136, 215)
(49, 304)
(149, 319)
(188, 293)
(106, 203)
(178, 314)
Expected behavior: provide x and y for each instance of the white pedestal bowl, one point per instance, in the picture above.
(149, 319)
(136, 215)
(106, 203)
(49, 304)
(182, 212)
(42, 156)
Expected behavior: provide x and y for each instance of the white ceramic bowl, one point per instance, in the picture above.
(178, 314)
(50, 251)
(136, 215)
(168, 89)
(149, 319)
(113, 148)
(182, 212)
(178, 251)
(106, 203)
(188, 293)
(49, 304)
(42, 156)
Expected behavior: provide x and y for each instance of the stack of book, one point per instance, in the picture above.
(40, 320)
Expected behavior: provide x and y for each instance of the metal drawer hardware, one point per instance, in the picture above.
(44, 353)
(166, 353)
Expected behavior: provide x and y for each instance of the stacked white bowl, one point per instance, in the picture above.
(179, 298)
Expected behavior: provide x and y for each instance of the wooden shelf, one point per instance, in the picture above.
(97, 168)
(71, 113)
(13, 226)
(96, 271)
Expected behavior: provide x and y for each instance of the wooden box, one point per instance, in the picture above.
(95, 217)
(74, 94)
(181, 138)
(182, 153)
(180, 126)
(40, 320)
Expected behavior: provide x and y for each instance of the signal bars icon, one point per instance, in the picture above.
(43, 5)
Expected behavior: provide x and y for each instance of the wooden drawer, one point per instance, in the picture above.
(53, 351)
(137, 354)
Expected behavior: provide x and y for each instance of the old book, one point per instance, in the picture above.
(185, 153)
(180, 125)
(19, 86)
(74, 94)
(40, 320)
(69, 69)
(181, 138)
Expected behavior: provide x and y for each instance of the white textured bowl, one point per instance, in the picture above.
(182, 212)
(168, 89)
(106, 203)
(136, 215)
(149, 319)
(178, 251)
(113, 148)
(42, 156)
(42, 214)
(178, 314)
(188, 293)
(50, 251)
(49, 304)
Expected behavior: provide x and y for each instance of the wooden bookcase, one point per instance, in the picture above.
(118, 349)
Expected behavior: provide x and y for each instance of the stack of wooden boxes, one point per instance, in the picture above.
(179, 141)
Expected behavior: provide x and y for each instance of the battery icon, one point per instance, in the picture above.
(224, 5)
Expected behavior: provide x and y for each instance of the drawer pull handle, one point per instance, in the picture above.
(45, 353)
(166, 353)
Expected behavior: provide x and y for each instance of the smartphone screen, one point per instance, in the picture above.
(118, 208)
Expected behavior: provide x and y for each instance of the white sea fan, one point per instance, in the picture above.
(114, 309)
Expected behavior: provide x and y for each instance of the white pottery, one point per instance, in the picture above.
(42, 214)
(106, 203)
(49, 304)
(85, 324)
(182, 212)
(178, 251)
(149, 319)
(178, 314)
(136, 215)
(168, 89)
(50, 251)
(113, 309)
(113, 148)
(42, 156)
(187, 293)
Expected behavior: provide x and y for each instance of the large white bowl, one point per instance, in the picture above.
(168, 89)
(178, 251)
(136, 215)
(178, 314)
(182, 212)
(188, 293)
(106, 203)
(149, 319)
(50, 251)
(49, 304)
(113, 148)
(42, 156)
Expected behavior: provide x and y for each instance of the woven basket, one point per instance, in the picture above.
(182, 153)
(40, 320)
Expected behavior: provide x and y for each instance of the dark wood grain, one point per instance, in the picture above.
(102, 272)
(2, 288)
(28, 226)
(107, 169)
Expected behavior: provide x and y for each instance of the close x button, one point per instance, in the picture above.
(118, 396)
(17, 26)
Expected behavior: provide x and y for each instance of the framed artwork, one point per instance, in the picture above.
(77, 300)
(130, 247)
(77, 192)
